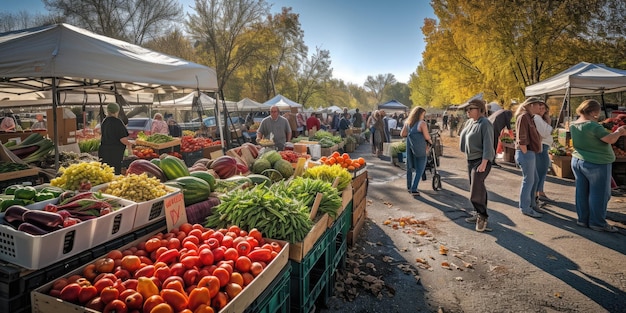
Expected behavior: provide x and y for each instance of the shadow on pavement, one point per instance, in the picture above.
(542, 256)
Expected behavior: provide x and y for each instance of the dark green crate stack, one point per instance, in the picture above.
(16, 283)
(276, 296)
(312, 280)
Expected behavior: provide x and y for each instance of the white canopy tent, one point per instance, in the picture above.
(186, 102)
(63, 57)
(282, 102)
(582, 79)
(247, 105)
(332, 109)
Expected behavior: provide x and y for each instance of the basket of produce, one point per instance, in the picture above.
(183, 282)
(143, 185)
(72, 224)
(34, 198)
(157, 141)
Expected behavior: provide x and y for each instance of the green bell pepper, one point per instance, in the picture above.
(25, 193)
(43, 196)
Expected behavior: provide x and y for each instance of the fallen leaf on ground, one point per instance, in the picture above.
(443, 250)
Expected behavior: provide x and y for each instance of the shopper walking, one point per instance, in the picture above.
(527, 145)
(592, 162)
(476, 141)
(542, 122)
(417, 136)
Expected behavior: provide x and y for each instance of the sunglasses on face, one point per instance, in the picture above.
(469, 109)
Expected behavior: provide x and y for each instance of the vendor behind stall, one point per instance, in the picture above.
(40, 124)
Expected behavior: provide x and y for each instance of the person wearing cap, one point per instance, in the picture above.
(501, 120)
(476, 141)
(592, 161)
(527, 145)
(544, 127)
(114, 139)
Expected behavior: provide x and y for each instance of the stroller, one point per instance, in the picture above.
(433, 161)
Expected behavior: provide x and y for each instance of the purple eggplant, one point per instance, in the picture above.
(43, 219)
(32, 229)
(13, 214)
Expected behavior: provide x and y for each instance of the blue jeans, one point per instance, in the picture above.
(528, 162)
(417, 163)
(593, 191)
(543, 164)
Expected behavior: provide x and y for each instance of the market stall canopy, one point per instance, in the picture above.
(332, 109)
(393, 105)
(44, 99)
(581, 79)
(186, 102)
(282, 102)
(247, 104)
(35, 59)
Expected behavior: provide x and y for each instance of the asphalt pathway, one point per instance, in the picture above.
(426, 258)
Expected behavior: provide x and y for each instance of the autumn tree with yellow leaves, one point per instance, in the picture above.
(499, 47)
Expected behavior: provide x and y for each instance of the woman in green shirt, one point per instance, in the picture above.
(592, 162)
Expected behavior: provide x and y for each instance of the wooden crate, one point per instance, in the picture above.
(354, 232)
(298, 250)
(561, 165)
(358, 209)
(159, 146)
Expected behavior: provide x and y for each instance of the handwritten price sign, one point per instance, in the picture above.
(175, 214)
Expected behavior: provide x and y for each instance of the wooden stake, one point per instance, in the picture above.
(316, 205)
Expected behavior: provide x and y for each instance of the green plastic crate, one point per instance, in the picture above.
(275, 298)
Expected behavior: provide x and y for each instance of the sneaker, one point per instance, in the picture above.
(533, 213)
(481, 223)
(607, 228)
(581, 224)
(471, 219)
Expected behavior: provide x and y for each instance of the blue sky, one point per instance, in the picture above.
(364, 37)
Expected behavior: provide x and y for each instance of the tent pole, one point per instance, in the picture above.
(606, 113)
(55, 128)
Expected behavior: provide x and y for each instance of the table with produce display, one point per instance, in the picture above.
(90, 229)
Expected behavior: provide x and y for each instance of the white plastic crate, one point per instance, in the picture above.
(147, 212)
(36, 252)
(114, 224)
(152, 211)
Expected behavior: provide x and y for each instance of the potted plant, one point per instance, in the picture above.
(508, 148)
(350, 144)
(561, 161)
(398, 150)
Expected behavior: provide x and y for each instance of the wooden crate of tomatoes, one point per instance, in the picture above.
(191, 144)
(144, 152)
